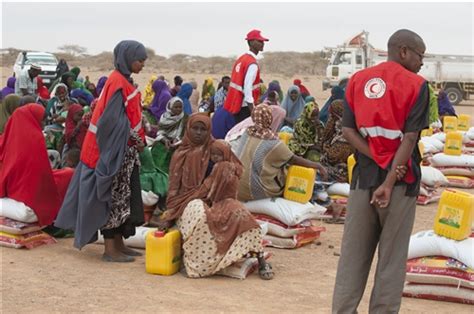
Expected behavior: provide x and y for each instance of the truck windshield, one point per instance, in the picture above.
(342, 57)
(41, 60)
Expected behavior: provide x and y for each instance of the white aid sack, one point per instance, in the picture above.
(439, 145)
(16, 210)
(433, 177)
(470, 133)
(440, 136)
(137, 241)
(443, 160)
(339, 189)
(428, 243)
(149, 198)
(288, 212)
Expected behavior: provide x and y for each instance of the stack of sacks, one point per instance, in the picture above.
(469, 144)
(431, 180)
(439, 268)
(19, 226)
(339, 192)
(432, 144)
(288, 222)
(459, 170)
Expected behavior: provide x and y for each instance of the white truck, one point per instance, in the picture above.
(452, 73)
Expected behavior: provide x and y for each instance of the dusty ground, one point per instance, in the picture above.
(61, 279)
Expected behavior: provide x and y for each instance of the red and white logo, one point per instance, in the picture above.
(375, 88)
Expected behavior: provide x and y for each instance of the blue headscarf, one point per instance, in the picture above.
(125, 53)
(337, 92)
(184, 93)
(293, 108)
(445, 108)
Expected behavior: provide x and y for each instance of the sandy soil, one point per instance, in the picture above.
(60, 278)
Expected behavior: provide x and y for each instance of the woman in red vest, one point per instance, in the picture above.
(105, 192)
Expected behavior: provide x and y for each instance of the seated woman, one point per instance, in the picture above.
(337, 92)
(445, 108)
(336, 149)
(170, 132)
(308, 133)
(207, 212)
(56, 113)
(8, 105)
(75, 130)
(265, 158)
(293, 103)
(10, 88)
(185, 93)
(161, 97)
(148, 92)
(278, 115)
(25, 172)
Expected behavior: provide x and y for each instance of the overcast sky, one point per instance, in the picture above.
(219, 28)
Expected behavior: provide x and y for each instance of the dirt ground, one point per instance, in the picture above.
(59, 278)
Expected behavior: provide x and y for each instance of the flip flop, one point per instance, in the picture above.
(265, 271)
(121, 259)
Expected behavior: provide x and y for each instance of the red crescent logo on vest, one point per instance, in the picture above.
(375, 88)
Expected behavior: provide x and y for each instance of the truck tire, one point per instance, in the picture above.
(454, 95)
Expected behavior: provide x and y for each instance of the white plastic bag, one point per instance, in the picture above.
(428, 243)
(433, 177)
(444, 160)
(16, 210)
(288, 212)
(339, 189)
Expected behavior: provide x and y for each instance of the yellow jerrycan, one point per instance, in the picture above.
(299, 184)
(455, 214)
(450, 124)
(427, 132)
(285, 137)
(464, 122)
(453, 144)
(163, 252)
(350, 166)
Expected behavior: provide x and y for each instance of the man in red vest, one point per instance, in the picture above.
(386, 107)
(244, 88)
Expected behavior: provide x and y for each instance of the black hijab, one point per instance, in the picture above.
(125, 53)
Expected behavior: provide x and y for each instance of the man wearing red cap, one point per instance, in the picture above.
(244, 88)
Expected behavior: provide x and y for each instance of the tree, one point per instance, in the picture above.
(74, 50)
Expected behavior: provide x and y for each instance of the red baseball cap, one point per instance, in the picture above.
(255, 35)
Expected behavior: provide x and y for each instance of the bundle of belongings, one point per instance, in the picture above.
(440, 269)
(289, 223)
(19, 227)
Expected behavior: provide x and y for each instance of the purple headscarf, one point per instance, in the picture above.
(10, 88)
(273, 86)
(100, 84)
(162, 96)
(445, 108)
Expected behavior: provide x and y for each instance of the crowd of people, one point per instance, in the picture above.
(203, 153)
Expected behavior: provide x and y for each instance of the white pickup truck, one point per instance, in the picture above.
(47, 61)
(453, 73)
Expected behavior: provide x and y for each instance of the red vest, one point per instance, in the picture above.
(235, 95)
(132, 103)
(381, 98)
